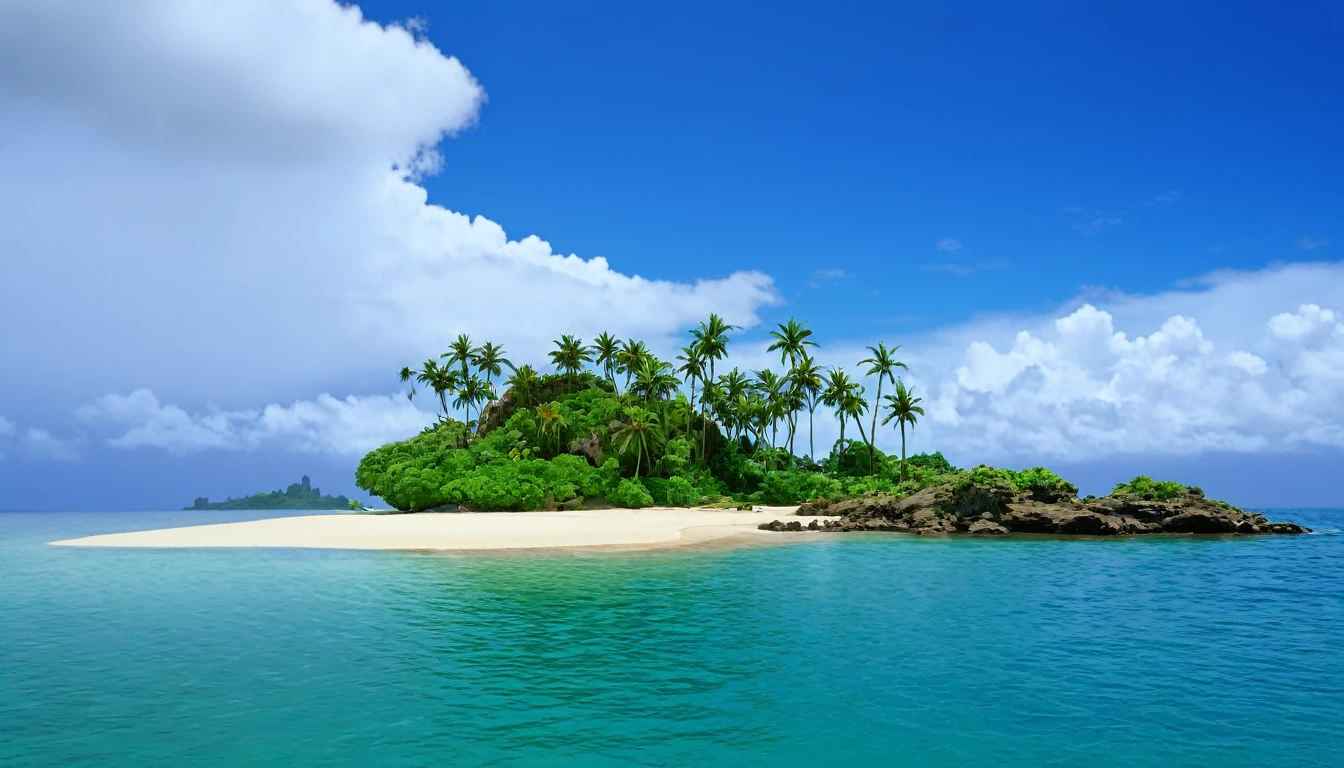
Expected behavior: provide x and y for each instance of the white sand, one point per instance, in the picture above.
(621, 528)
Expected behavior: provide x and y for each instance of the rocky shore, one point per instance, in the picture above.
(988, 510)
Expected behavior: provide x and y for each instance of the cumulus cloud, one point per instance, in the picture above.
(1082, 388)
(221, 199)
(346, 428)
(949, 245)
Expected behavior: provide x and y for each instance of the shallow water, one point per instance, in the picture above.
(847, 649)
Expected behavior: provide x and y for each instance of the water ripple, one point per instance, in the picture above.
(858, 650)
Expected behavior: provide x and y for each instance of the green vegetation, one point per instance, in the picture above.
(615, 425)
(1146, 487)
(300, 495)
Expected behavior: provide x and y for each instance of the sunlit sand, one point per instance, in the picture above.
(644, 528)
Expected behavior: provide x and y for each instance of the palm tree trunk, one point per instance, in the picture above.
(842, 440)
(811, 443)
(638, 455)
(902, 451)
(877, 405)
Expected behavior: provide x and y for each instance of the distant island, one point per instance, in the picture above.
(300, 495)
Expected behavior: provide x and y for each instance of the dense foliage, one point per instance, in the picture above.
(614, 425)
(300, 495)
(1156, 490)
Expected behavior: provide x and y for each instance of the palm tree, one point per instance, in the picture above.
(489, 359)
(838, 388)
(641, 431)
(882, 365)
(693, 368)
(904, 407)
(732, 385)
(806, 377)
(606, 347)
(441, 379)
(552, 420)
(654, 380)
(771, 387)
(524, 382)
(629, 357)
(791, 339)
(407, 375)
(460, 352)
(853, 405)
(712, 338)
(569, 356)
(471, 391)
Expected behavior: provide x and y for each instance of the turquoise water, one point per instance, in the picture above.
(856, 650)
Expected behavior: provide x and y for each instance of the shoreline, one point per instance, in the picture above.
(606, 529)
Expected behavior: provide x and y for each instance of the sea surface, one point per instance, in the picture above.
(847, 650)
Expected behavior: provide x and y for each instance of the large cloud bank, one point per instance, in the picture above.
(221, 199)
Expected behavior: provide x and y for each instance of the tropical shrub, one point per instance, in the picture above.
(794, 487)
(630, 494)
(680, 493)
(1157, 490)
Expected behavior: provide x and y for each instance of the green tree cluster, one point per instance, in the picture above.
(613, 424)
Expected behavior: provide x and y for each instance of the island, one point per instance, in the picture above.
(620, 448)
(300, 495)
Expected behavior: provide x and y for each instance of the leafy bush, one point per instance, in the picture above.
(1157, 490)
(631, 494)
(793, 487)
(680, 493)
(1044, 485)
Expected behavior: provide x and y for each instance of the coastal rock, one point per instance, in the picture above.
(991, 509)
(986, 527)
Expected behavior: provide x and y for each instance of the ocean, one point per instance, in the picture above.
(848, 649)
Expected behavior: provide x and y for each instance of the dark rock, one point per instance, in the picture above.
(986, 527)
(589, 446)
(971, 508)
(812, 526)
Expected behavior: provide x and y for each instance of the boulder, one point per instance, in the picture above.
(588, 445)
(980, 509)
(986, 528)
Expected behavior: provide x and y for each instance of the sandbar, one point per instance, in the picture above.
(476, 531)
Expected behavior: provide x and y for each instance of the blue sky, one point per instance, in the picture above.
(858, 137)
(203, 236)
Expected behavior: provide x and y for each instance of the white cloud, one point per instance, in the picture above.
(949, 245)
(1079, 387)
(325, 425)
(1308, 319)
(6, 427)
(1166, 198)
(204, 195)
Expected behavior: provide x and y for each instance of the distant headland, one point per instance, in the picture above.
(300, 495)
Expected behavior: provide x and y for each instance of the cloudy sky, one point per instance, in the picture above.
(1104, 243)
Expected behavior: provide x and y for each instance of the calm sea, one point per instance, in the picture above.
(852, 650)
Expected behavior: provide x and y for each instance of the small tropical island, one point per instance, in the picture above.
(615, 426)
(618, 448)
(300, 495)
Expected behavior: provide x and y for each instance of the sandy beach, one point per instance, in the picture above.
(610, 528)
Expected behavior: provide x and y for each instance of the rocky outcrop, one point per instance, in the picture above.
(990, 510)
(589, 445)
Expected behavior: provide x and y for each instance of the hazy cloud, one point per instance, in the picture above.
(949, 245)
(325, 425)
